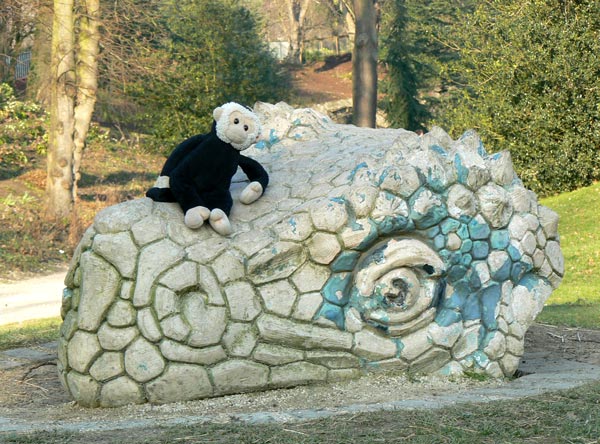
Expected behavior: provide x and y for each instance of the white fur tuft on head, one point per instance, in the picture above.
(223, 122)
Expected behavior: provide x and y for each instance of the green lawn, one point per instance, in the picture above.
(26, 333)
(577, 301)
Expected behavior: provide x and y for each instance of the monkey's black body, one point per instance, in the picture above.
(200, 171)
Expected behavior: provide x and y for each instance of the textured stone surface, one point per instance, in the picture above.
(240, 339)
(143, 361)
(100, 283)
(181, 382)
(83, 388)
(373, 347)
(305, 336)
(119, 250)
(276, 355)
(121, 314)
(297, 373)
(278, 297)
(149, 268)
(82, 349)
(116, 338)
(243, 301)
(121, 391)
(148, 325)
(371, 250)
(236, 376)
(107, 366)
(174, 351)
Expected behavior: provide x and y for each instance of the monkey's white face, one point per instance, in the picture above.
(241, 129)
(237, 125)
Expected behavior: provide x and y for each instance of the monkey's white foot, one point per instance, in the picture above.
(195, 217)
(220, 223)
(162, 182)
(251, 193)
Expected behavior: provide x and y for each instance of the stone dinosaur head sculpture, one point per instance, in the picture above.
(372, 249)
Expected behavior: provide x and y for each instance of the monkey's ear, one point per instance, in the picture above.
(217, 113)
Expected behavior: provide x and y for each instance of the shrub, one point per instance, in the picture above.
(203, 63)
(22, 132)
(528, 79)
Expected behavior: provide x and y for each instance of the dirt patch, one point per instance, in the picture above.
(323, 81)
(569, 343)
(35, 394)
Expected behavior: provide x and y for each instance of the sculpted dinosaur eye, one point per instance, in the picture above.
(245, 127)
(398, 285)
(400, 288)
(236, 120)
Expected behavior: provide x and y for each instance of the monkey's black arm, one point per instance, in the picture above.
(254, 171)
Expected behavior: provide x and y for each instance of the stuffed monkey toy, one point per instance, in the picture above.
(197, 174)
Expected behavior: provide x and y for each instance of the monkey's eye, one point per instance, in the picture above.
(245, 127)
(236, 120)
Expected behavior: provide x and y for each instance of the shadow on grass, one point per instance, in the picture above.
(9, 171)
(333, 61)
(578, 314)
(117, 178)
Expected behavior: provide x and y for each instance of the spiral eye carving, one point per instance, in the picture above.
(400, 288)
(398, 284)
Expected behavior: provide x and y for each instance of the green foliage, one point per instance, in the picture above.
(414, 52)
(213, 54)
(528, 79)
(317, 55)
(22, 132)
(400, 84)
(524, 74)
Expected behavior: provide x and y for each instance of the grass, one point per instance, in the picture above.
(577, 301)
(28, 333)
(571, 416)
(580, 314)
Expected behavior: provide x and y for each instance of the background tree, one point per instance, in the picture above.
(201, 64)
(364, 64)
(75, 41)
(345, 9)
(39, 79)
(297, 10)
(401, 83)
(132, 33)
(416, 49)
(528, 79)
(17, 25)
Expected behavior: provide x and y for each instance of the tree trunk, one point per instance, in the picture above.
(59, 180)
(364, 64)
(74, 81)
(297, 12)
(39, 86)
(87, 82)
